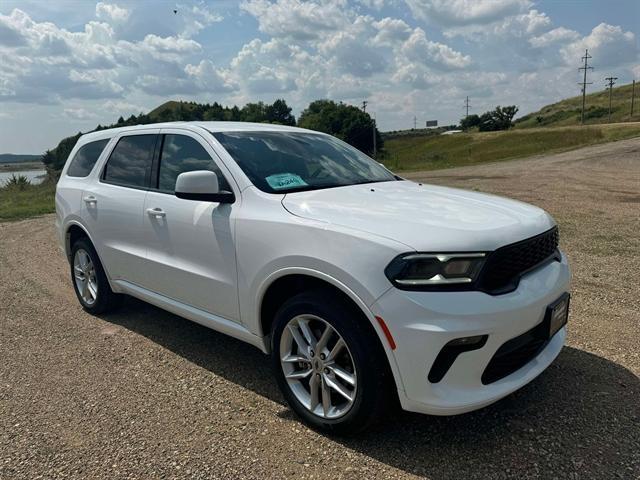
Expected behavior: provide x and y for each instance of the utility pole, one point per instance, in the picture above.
(611, 82)
(415, 122)
(374, 136)
(633, 94)
(364, 106)
(467, 106)
(584, 81)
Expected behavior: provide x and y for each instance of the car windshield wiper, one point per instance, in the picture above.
(306, 188)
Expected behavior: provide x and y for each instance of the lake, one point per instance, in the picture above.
(34, 176)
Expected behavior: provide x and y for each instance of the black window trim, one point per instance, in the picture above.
(107, 139)
(147, 187)
(157, 160)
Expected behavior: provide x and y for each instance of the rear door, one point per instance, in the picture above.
(114, 204)
(190, 247)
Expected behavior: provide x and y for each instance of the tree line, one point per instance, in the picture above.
(346, 122)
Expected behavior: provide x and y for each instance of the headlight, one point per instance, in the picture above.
(435, 271)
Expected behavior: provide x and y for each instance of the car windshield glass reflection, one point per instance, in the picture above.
(282, 162)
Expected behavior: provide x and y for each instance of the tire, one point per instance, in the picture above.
(372, 384)
(99, 298)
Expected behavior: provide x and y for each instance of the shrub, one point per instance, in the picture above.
(19, 182)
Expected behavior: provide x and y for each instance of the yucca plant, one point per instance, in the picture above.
(17, 181)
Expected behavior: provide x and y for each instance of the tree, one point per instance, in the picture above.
(499, 119)
(346, 122)
(470, 121)
(280, 112)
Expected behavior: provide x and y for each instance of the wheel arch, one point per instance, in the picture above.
(73, 233)
(74, 230)
(286, 283)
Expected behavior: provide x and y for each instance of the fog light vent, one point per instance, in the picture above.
(450, 352)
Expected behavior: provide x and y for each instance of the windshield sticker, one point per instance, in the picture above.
(281, 181)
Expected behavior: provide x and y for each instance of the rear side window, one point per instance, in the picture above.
(130, 162)
(184, 154)
(85, 158)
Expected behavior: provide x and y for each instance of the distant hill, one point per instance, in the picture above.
(567, 112)
(169, 108)
(17, 158)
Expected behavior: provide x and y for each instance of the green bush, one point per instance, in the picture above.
(19, 182)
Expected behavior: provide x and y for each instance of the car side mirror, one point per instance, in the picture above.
(202, 185)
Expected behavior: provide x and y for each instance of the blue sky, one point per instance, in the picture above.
(66, 66)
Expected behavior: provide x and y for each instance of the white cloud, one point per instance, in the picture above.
(418, 48)
(297, 20)
(375, 4)
(391, 31)
(78, 114)
(111, 11)
(555, 36)
(609, 45)
(450, 13)
(196, 18)
(120, 107)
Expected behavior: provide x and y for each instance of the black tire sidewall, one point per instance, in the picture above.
(371, 367)
(104, 295)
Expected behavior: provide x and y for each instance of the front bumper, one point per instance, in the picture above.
(423, 322)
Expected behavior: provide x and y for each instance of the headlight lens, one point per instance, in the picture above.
(432, 271)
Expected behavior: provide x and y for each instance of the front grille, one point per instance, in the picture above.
(504, 267)
(516, 353)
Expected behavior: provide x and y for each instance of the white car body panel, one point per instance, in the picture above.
(427, 218)
(212, 263)
(190, 251)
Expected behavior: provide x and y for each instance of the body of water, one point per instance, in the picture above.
(34, 176)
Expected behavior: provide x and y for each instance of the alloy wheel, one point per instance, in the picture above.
(84, 273)
(318, 366)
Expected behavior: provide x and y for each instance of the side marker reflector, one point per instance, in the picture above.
(387, 333)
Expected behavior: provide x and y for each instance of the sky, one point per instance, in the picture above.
(68, 65)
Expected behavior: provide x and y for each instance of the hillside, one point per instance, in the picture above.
(18, 158)
(567, 112)
(430, 152)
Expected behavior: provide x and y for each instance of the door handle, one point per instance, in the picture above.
(90, 199)
(156, 212)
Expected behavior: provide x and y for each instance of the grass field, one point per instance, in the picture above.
(445, 151)
(567, 112)
(24, 201)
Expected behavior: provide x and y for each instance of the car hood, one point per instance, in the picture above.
(423, 217)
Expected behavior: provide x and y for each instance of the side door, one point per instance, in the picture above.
(113, 206)
(191, 254)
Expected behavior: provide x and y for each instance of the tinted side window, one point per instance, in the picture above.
(184, 154)
(85, 158)
(130, 162)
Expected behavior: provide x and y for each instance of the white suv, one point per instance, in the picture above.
(365, 288)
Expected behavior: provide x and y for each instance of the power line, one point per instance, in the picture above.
(584, 81)
(467, 106)
(611, 82)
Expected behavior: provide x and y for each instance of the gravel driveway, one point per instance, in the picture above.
(144, 394)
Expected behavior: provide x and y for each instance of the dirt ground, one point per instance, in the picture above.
(144, 394)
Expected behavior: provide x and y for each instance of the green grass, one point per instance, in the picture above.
(567, 112)
(23, 201)
(445, 151)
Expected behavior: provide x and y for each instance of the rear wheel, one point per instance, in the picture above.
(89, 280)
(329, 363)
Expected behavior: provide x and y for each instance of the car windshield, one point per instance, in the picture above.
(284, 162)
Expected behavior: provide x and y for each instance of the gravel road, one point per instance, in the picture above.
(144, 394)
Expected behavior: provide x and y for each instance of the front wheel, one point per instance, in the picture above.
(329, 363)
